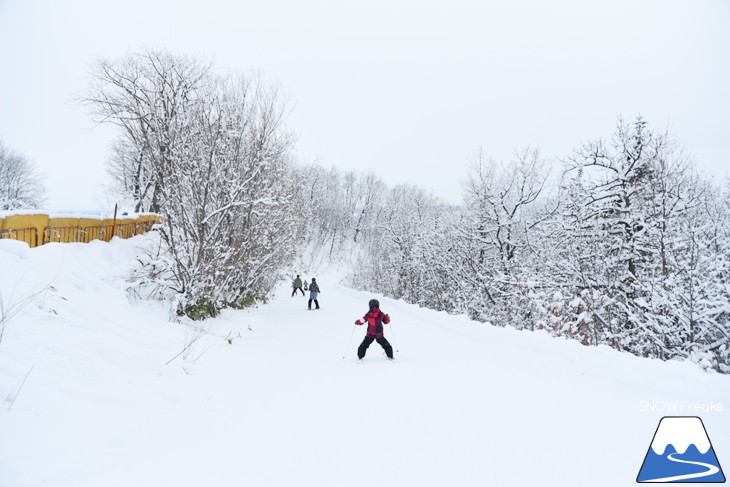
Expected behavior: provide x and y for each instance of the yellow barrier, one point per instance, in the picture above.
(146, 222)
(38, 229)
(62, 230)
(90, 229)
(25, 228)
(126, 227)
(107, 229)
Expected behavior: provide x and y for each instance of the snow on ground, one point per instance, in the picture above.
(464, 405)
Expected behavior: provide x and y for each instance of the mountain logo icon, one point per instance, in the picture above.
(680, 452)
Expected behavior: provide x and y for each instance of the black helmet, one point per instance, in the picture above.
(374, 304)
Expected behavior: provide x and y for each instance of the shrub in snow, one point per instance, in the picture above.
(211, 154)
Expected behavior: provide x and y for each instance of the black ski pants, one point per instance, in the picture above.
(370, 339)
(295, 291)
(316, 303)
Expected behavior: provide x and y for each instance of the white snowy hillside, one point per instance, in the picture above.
(94, 391)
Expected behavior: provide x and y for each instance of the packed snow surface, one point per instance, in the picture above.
(95, 392)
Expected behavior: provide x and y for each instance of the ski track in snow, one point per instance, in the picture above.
(465, 405)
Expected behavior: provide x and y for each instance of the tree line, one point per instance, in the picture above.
(627, 246)
(623, 244)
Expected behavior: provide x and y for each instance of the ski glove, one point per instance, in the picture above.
(358, 322)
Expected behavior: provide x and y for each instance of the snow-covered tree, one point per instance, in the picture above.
(211, 153)
(607, 221)
(232, 208)
(147, 95)
(132, 179)
(399, 257)
(20, 185)
(638, 234)
(342, 206)
(496, 241)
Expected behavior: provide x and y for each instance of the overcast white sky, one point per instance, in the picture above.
(408, 89)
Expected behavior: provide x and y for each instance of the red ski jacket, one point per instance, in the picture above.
(375, 319)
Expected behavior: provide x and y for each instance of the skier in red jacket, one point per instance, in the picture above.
(374, 319)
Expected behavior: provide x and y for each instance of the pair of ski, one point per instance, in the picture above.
(361, 360)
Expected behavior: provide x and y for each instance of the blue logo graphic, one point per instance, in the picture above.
(681, 452)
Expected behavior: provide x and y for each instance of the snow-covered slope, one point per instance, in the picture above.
(464, 405)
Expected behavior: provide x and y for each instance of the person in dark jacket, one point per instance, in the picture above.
(375, 319)
(297, 284)
(313, 294)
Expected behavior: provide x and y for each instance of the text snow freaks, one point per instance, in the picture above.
(680, 407)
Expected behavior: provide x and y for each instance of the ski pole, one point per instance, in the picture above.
(395, 342)
(349, 341)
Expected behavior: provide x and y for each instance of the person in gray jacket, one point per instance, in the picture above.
(313, 294)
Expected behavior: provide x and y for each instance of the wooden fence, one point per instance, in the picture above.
(40, 229)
